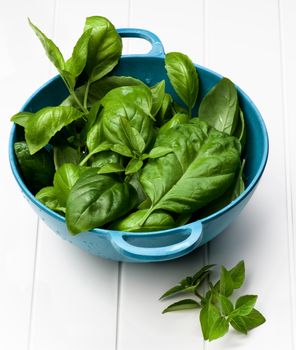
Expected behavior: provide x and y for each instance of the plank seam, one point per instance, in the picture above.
(118, 305)
(287, 170)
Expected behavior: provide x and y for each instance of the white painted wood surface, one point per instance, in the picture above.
(54, 296)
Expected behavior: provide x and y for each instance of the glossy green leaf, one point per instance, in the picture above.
(45, 123)
(240, 131)
(76, 63)
(186, 304)
(195, 172)
(219, 328)
(52, 51)
(122, 150)
(65, 154)
(21, 118)
(165, 112)
(96, 200)
(239, 185)
(104, 49)
(111, 168)
(105, 157)
(177, 119)
(64, 179)
(156, 221)
(208, 316)
(134, 138)
(226, 283)
(200, 274)
(244, 305)
(48, 196)
(158, 93)
(37, 169)
(253, 319)
(183, 77)
(133, 166)
(239, 324)
(219, 108)
(226, 305)
(238, 274)
(157, 152)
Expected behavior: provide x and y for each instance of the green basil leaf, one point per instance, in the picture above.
(104, 49)
(172, 291)
(183, 219)
(122, 149)
(157, 152)
(240, 131)
(244, 305)
(64, 179)
(239, 324)
(165, 112)
(226, 283)
(186, 304)
(156, 221)
(179, 118)
(21, 118)
(253, 319)
(226, 305)
(133, 166)
(238, 274)
(158, 93)
(96, 200)
(209, 314)
(52, 51)
(195, 172)
(45, 123)
(133, 179)
(219, 328)
(202, 273)
(111, 168)
(48, 196)
(37, 169)
(239, 185)
(65, 154)
(95, 137)
(76, 63)
(183, 77)
(104, 158)
(128, 106)
(219, 108)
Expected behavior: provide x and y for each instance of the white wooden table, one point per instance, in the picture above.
(54, 296)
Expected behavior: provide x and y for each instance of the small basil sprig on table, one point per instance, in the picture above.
(217, 310)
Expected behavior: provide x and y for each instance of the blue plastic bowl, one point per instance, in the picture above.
(159, 245)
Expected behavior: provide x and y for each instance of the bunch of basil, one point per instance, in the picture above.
(123, 155)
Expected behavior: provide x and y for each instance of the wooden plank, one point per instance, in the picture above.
(75, 295)
(243, 42)
(19, 77)
(141, 323)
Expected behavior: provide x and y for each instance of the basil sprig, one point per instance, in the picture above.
(217, 310)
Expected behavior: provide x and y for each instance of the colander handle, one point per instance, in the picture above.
(157, 47)
(192, 237)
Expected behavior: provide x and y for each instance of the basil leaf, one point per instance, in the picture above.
(185, 304)
(239, 324)
(45, 123)
(226, 305)
(97, 199)
(158, 93)
(157, 152)
(238, 274)
(165, 112)
(65, 154)
(253, 319)
(122, 149)
(104, 49)
(239, 185)
(219, 328)
(219, 108)
(209, 314)
(37, 169)
(48, 196)
(183, 77)
(196, 172)
(244, 305)
(111, 168)
(125, 108)
(64, 179)
(240, 131)
(21, 118)
(52, 51)
(157, 221)
(226, 283)
(133, 166)
(179, 118)
(76, 63)
(202, 273)
(104, 158)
